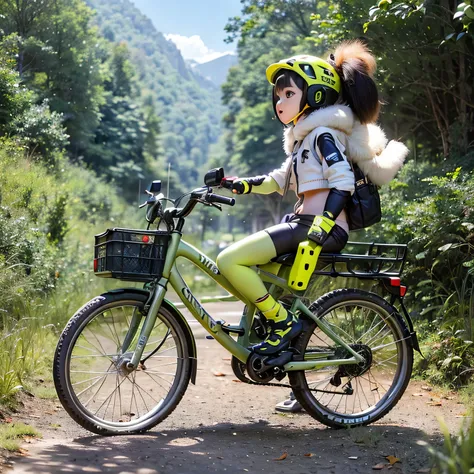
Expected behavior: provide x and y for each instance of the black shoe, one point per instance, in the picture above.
(280, 335)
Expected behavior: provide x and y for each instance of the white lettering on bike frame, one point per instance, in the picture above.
(203, 314)
(209, 264)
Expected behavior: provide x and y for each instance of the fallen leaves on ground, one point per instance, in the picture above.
(379, 466)
(282, 457)
(308, 455)
(392, 459)
(218, 374)
(418, 394)
(435, 403)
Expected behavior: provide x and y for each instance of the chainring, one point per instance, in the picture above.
(254, 366)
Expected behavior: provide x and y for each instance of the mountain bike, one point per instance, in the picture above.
(124, 360)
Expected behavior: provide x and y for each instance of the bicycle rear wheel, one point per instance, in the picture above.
(354, 395)
(90, 366)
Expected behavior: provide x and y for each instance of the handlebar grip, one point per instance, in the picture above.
(220, 199)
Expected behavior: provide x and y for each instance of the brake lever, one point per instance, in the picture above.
(212, 204)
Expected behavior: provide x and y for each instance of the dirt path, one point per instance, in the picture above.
(226, 426)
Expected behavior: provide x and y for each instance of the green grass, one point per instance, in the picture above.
(467, 396)
(11, 435)
(456, 456)
(45, 393)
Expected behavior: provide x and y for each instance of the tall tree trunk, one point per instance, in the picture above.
(440, 121)
(463, 106)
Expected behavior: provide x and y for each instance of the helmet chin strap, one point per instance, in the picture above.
(298, 115)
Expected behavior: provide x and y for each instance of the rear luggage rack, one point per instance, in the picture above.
(360, 259)
(364, 260)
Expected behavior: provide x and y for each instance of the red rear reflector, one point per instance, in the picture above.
(96, 264)
(403, 290)
(394, 281)
(145, 239)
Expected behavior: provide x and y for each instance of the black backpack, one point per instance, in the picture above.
(363, 209)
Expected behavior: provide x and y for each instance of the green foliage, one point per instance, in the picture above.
(465, 16)
(457, 453)
(42, 131)
(438, 224)
(14, 98)
(11, 435)
(118, 151)
(47, 223)
(428, 71)
(449, 358)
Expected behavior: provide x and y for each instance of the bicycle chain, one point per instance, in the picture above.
(285, 385)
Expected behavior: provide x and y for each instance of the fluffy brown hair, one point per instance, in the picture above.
(356, 66)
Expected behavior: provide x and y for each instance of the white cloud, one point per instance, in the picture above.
(193, 47)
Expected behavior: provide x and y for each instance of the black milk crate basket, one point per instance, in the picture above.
(130, 254)
(364, 260)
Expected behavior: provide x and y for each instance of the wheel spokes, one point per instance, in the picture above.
(360, 326)
(99, 377)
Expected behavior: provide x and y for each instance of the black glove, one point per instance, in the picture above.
(241, 185)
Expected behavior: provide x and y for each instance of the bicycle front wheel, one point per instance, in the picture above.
(91, 376)
(354, 394)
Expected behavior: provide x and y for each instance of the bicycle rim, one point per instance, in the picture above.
(358, 394)
(97, 378)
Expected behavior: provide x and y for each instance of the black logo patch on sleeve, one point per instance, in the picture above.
(304, 156)
(334, 158)
(329, 150)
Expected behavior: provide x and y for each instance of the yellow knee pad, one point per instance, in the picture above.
(304, 265)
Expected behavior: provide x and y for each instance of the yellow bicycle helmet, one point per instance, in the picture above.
(323, 82)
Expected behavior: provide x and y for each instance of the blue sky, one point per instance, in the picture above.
(196, 26)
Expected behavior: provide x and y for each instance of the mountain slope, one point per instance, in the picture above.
(190, 113)
(217, 69)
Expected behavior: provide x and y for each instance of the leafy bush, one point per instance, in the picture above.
(449, 359)
(434, 216)
(42, 130)
(14, 98)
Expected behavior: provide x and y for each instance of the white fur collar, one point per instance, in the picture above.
(366, 145)
(339, 117)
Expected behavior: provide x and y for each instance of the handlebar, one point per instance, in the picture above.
(198, 195)
(220, 199)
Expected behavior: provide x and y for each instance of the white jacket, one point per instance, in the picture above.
(305, 169)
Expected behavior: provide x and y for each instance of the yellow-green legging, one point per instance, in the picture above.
(234, 263)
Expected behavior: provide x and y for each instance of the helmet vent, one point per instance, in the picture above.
(308, 70)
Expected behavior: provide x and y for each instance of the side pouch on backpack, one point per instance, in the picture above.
(363, 209)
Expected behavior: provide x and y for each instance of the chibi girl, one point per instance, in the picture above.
(329, 109)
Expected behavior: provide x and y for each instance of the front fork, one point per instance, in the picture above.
(157, 298)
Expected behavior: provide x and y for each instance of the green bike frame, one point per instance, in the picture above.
(238, 348)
